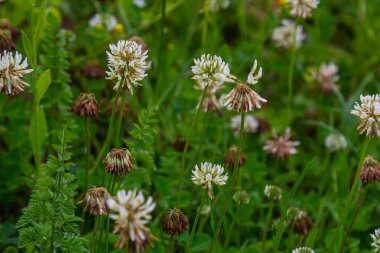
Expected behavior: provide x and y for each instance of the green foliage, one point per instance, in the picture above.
(48, 223)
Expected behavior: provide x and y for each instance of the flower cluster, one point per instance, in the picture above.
(334, 142)
(118, 162)
(273, 192)
(208, 174)
(280, 146)
(127, 63)
(175, 222)
(288, 35)
(303, 250)
(303, 8)
(100, 20)
(370, 171)
(131, 212)
(95, 201)
(369, 113)
(251, 124)
(229, 158)
(12, 70)
(86, 106)
(376, 240)
(327, 76)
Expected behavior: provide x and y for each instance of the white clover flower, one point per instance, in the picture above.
(273, 192)
(139, 3)
(107, 20)
(281, 147)
(241, 197)
(369, 113)
(211, 70)
(303, 8)
(303, 250)
(208, 174)
(376, 240)
(131, 213)
(216, 5)
(283, 36)
(12, 70)
(251, 124)
(334, 142)
(127, 63)
(327, 76)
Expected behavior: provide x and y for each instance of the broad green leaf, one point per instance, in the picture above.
(27, 44)
(42, 85)
(38, 122)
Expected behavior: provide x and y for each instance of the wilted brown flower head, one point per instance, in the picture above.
(210, 103)
(140, 245)
(280, 146)
(95, 201)
(93, 70)
(370, 172)
(174, 222)
(302, 224)
(86, 106)
(6, 41)
(5, 24)
(229, 158)
(118, 162)
(141, 42)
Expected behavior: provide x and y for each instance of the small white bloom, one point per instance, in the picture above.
(131, 213)
(127, 63)
(211, 70)
(12, 70)
(251, 124)
(327, 76)
(334, 142)
(103, 19)
(253, 79)
(369, 113)
(303, 250)
(139, 3)
(216, 5)
(241, 197)
(303, 8)
(208, 174)
(376, 240)
(281, 147)
(284, 36)
(273, 192)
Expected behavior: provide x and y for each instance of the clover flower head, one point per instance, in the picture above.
(335, 142)
(376, 240)
(370, 171)
(127, 63)
(303, 8)
(174, 222)
(107, 20)
(327, 76)
(241, 197)
(95, 201)
(273, 192)
(12, 70)
(139, 3)
(281, 147)
(131, 212)
(216, 5)
(303, 250)
(207, 174)
(211, 70)
(369, 113)
(118, 161)
(251, 124)
(286, 35)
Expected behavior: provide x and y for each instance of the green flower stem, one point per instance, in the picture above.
(267, 226)
(190, 242)
(360, 205)
(230, 230)
(350, 197)
(231, 185)
(94, 234)
(291, 69)
(188, 140)
(88, 150)
(171, 244)
(120, 119)
(112, 187)
(205, 24)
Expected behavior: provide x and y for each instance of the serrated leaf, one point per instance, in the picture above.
(42, 85)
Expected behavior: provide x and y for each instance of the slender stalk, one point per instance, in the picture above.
(88, 150)
(230, 230)
(267, 225)
(190, 242)
(360, 205)
(171, 244)
(205, 24)
(94, 234)
(188, 140)
(291, 69)
(350, 197)
(161, 45)
(120, 119)
(108, 214)
(231, 184)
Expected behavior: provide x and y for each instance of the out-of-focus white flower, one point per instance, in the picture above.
(273, 192)
(107, 20)
(334, 142)
(241, 197)
(210, 103)
(12, 70)
(303, 8)
(208, 174)
(327, 76)
(131, 212)
(303, 250)
(205, 209)
(216, 5)
(139, 3)
(288, 35)
(251, 124)
(211, 70)
(127, 63)
(369, 113)
(376, 240)
(281, 147)
(243, 98)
